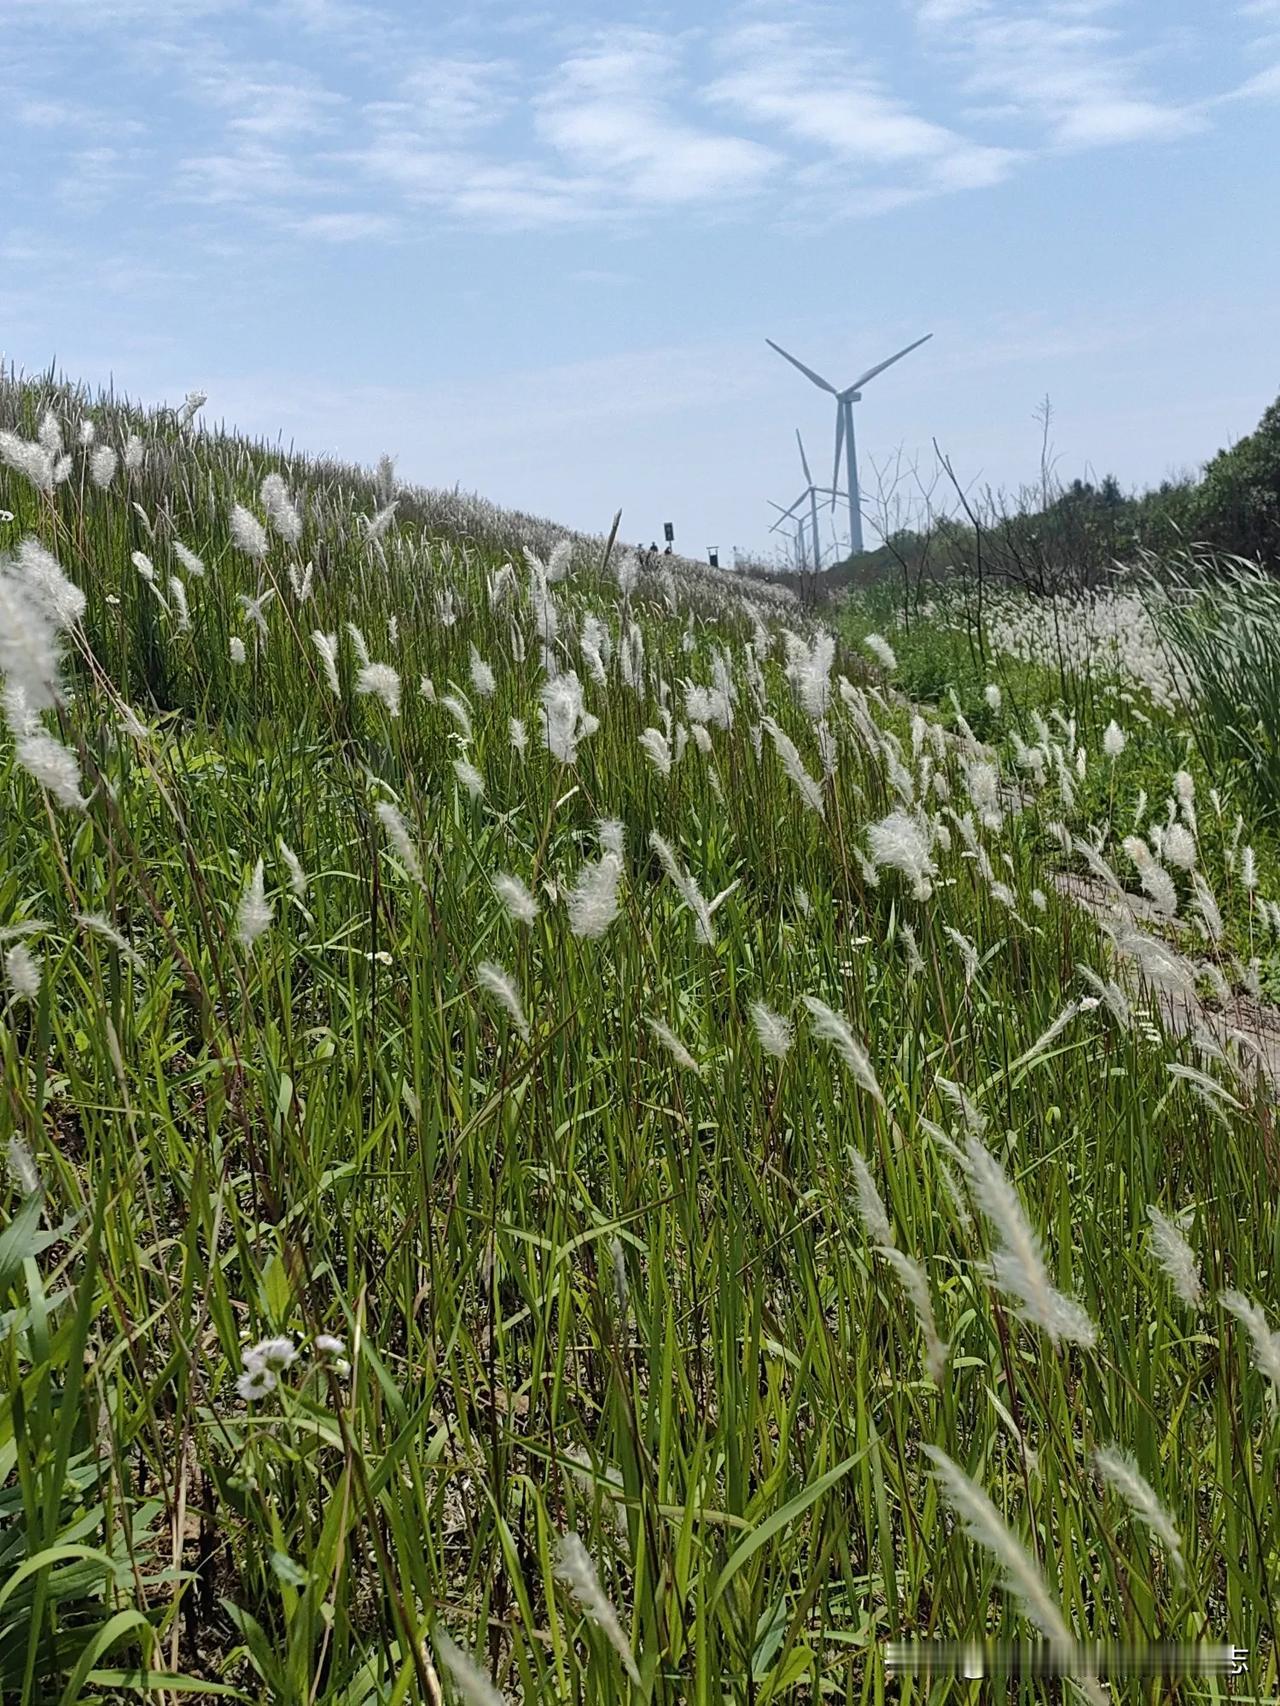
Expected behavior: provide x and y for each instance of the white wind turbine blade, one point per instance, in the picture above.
(786, 514)
(872, 371)
(808, 372)
(804, 460)
(835, 478)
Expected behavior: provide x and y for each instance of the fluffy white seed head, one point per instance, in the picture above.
(473, 1686)
(1263, 1339)
(809, 790)
(832, 1027)
(898, 843)
(1120, 1471)
(482, 677)
(281, 511)
(871, 1210)
(380, 681)
(984, 1524)
(500, 985)
(674, 1047)
(247, 533)
(102, 466)
(881, 651)
(910, 1276)
(1113, 740)
(293, 865)
(469, 778)
(575, 1569)
(773, 1032)
(1017, 1264)
(520, 905)
(188, 559)
(22, 972)
(236, 648)
(53, 766)
(327, 646)
(397, 834)
(1176, 1258)
(255, 912)
(593, 901)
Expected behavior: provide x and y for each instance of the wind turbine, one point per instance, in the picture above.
(810, 496)
(844, 426)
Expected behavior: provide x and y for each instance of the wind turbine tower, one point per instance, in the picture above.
(844, 427)
(810, 496)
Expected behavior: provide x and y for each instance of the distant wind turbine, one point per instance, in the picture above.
(844, 427)
(809, 495)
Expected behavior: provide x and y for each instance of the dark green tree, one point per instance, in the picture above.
(1237, 504)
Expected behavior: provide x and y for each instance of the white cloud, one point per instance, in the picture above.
(344, 227)
(1056, 68)
(603, 114)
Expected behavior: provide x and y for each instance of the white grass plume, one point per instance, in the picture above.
(97, 924)
(397, 833)
(688, 889)
(22, 972)
(968, 950)
(473, 1686)
(293, 865)
(832, 1027)
(899, 843)
(1119, 1470)
(327, 646)
(248, 533)
(809, 790)
(501, 986)
(657, 751)
(45, 579)
(911, 1278)
(575, 1569)
(593, 900)
(1175, 1257)
(773, 1031)
(482, 677)
(984, 1524)
(469, 777)
(53, 766)
(871, 1210)
(521, 907)
(674, 1047)
(1264, 1340)
(281, 512)
(102, 466)
(380, 681)
(254, 914)
(1017, 1265)
(1047, 1037)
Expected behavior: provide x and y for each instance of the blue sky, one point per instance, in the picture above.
(536, 251)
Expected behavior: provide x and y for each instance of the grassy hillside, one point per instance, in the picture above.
(565, 1144)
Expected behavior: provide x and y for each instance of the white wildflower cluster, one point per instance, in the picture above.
(262, 1365)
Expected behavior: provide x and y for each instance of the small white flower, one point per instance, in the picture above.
(275, 1354)
(255, 1383)
(327, 1345)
